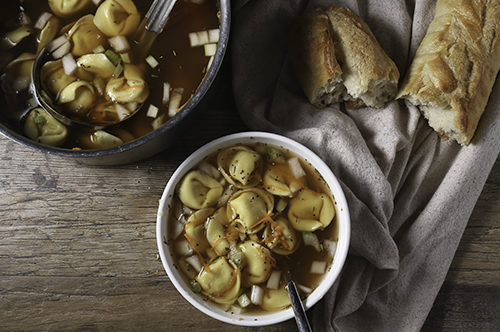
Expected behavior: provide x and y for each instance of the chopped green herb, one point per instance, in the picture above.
(125, 57)
(113, 57)
(39, 120)
(195, 286)
(118, 70)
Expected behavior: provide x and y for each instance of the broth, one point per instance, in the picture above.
(285, 255)
(180, 65)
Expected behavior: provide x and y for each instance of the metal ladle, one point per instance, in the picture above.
(154, 21)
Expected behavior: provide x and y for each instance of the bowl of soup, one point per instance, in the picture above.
(102, 68)
(243, 213)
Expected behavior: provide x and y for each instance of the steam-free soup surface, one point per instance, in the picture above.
(245, 216)
(180, 65)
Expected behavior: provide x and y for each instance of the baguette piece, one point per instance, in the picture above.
(369, 75)
(455, 67)
(313, 58)
(337, 58)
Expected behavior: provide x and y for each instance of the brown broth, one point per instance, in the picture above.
(181, 65)
(300, 261)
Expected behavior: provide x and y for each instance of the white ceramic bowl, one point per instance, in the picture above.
(342, 218)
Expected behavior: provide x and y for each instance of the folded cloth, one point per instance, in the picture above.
(410, 193)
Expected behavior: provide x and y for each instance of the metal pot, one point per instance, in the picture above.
(154, 142)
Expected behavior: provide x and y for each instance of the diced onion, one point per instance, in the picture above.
(69, 64)
(62, 50)
(152, 62)
(274, 280)
(193, 39)
(209, 169)
(210, 49)
(99, 49)
(210, 62)
(296, 168)
(244, 301)
(132, 106)
(166, 93)
(121, 111)
(177, 229)
(256, 295)
(187, 211)
(213, 35)
(42, 20)
(175, 101)
(304, 289)
(236, 309)
(194, 261)
(56, 43)
(119, 43)
(311, 239)
(318, 267)
(152, 111)
(331, 247)
(182, 247)
(125, 57)
(158, 122)
(228, 192)
(198, 38)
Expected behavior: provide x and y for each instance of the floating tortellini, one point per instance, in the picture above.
(195, 228)
(97, 64)
(42, 127)
(258, 262)
(198, 190)
(69, 8)
(220, 237)
(117, 17)
(275, 299)
(278, 181)
(19, 71)
(309, 211)
(221, 282)
(249, 206)
(131, 88)
(53, 77)
(240, 166)
(48, 32)
(14, 37)
(280, 236)
(78, 97)
(100, 139)
(85, 36)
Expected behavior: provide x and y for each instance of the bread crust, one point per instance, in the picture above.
(313, 56)
(455, 66)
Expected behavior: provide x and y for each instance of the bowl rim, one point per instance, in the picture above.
(187, 108)
(343, 218)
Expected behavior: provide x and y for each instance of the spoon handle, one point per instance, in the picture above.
(298, 308)
(157, 15)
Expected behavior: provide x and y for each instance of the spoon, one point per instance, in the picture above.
(154, 22)
(297, 306)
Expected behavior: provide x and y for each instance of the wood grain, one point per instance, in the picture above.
(78, 248)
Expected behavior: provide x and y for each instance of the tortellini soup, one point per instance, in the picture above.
(99, 72)
(244, 217)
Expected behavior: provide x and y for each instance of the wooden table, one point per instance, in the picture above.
(78, 248)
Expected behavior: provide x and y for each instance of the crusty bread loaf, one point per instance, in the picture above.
(337, 58)
(455, 66)
(314, 61)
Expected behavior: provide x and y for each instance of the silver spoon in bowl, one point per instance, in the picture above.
(154, 21)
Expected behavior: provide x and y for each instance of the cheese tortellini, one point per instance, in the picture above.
(117, 17)
(19, 71)
(69, 8)
(310, 211)
(252, 210)
(249, 206)
(222, 283)
(85, 36)
(42, 127)
(131, 88)
(53, 77)
(48, 32)
(78, 97)
(198, 190)
(240, 166)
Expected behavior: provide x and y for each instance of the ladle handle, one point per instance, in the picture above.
(157, 15)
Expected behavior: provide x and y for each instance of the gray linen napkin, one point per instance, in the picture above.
(410, 194)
